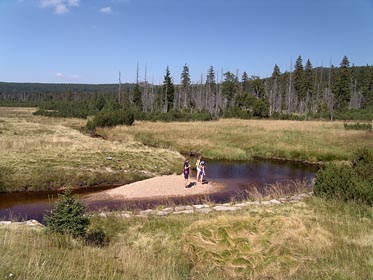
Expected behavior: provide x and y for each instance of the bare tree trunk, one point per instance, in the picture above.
(119, 90)
(330, 97)
(145, 97)
(290, 95)
(165, 101)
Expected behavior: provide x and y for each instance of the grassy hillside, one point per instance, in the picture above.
(307, 240)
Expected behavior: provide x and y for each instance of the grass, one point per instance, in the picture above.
(312, 141)
(313, 239)
(49, 153)
(41, 153)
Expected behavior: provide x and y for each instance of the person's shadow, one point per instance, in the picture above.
(191, 184)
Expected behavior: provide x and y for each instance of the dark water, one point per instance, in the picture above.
(235, 175)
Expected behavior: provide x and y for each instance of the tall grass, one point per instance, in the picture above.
(312, 141)
(48, 153)
(308, 240)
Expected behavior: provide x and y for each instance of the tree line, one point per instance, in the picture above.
(305, 92)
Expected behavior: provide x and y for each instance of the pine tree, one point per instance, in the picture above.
(67, 216)
(185, 86)
(229, 88)
(210, 98)
(308, 85)
(137, 100)
(299, 85)
(169, 90)
(275, 99)
(245, 83)
(342, 86)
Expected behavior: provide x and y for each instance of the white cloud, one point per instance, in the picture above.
(59, 6)
(61, 9)
(106, 10)
(72, 3)
(75, 76)
(67, 77)
(49, 3)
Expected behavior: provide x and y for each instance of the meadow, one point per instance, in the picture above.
(307, 240)
(312, 141)
(312, 239)
(40, 153)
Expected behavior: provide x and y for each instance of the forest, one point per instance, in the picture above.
(307, 92)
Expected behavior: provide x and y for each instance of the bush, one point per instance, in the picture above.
(5, 177)
(65, 110)
(237, 113)
(358, 126)
(67, 216)
(363, 164)
(173, 116)
(110, 118)
(348, 182)
(355, 114)
(96, 237)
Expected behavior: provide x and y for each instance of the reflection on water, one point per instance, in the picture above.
(257, 172)
(235, 175)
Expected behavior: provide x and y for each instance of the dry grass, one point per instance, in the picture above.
(308, 240)
(46, 153)
(304, 241)
(240, 139)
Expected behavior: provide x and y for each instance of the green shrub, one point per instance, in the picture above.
(173, 116)
(355, 114)
(5, 177)
(363, 164)
(110, 118)
(237, 113)
(358, 126)
(348, 182)
(67, 216)
(96, 237)
(76, 109)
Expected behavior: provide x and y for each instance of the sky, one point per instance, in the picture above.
(90, 41)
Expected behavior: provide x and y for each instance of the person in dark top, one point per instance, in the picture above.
(186, 171)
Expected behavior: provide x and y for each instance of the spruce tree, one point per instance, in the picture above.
(275, 99)
(308, 84)
(299, 85)
(245, 82)
(169, 90)
(210, 98)
(343, 79)
(137, 97)
(67, 216)
(230, 88)
(185, 85)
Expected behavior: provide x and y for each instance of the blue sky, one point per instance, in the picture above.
(89, 41)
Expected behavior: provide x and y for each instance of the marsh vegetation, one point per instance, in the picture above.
(314, 239)
(307, 240)
(40, 153)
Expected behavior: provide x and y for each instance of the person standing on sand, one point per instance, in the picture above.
(186, 172)
(198, 167)
(202, 171)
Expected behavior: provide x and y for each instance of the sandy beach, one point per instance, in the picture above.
(157, 187)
